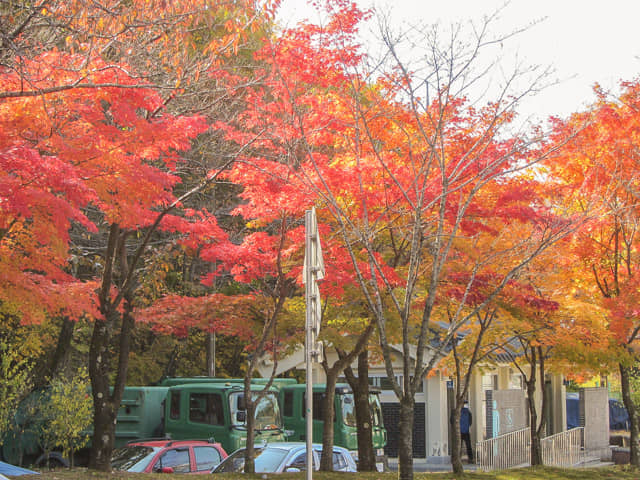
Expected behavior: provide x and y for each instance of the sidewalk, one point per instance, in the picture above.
(421, 465)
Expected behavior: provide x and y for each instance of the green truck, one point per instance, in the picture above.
(293, 405)
(292, 400)
(205, 410)
(193, 410)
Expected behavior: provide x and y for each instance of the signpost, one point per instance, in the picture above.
(312, 272)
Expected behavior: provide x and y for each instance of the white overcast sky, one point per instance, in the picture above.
(585, 41)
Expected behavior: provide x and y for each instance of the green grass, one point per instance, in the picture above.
(610, 473)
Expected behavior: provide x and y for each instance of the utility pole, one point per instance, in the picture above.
(313, 271)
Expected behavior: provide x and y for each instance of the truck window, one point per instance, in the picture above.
(206, 408)
(174, 414)
(288, 404)
(348, 409)
(318, 410)
(376, 410)
(268, 413)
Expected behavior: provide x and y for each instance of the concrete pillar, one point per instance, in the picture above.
(436, 418)
(504, 377)
(476, 407)
(558, 404)
(594, 416)
(318, 373)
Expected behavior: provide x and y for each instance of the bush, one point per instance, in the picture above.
(66, 415)
(14, 383)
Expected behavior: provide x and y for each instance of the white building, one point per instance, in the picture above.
(434, 402)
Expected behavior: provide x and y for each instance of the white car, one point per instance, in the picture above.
(281, 457)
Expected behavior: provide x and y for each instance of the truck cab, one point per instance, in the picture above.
(293, 404)
(217, 410)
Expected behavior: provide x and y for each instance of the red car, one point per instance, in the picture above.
(168, 456)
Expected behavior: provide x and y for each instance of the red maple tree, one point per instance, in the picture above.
(597, 173)
(410, 183)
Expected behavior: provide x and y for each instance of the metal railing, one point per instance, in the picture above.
(505, 451)
(563, 449)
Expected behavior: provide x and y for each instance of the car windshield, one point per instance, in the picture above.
(132, 459)
(267, 415)
(267, 460)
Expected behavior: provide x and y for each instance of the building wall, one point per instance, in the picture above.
(594, 417)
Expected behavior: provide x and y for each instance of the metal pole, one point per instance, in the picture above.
(211, 354)
(309, 341)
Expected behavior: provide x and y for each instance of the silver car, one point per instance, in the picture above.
(281, 457)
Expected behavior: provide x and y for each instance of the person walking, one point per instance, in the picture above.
(466, 420)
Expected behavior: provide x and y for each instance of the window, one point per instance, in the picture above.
(178, 459)
(489, 382)
(132, 458)
(206, 408)
(318, 410)
(516, 381)
(376, 409)
(339, 463)
(299, 462)
(174, 413)
(348, 409)
(267, 413)
(238, 408)
(383, 383)
(288, 404)
(206, 458)
(267, 459)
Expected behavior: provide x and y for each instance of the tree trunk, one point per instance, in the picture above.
(536, 450)
(249, 461)
(344, 361)
(536, 447)
(60, 355)
(326, 462)
(104, 415)
(170, 367)
(360, 387)
(634, 441)
(106, 402)
(405, 444)
(456, 442)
